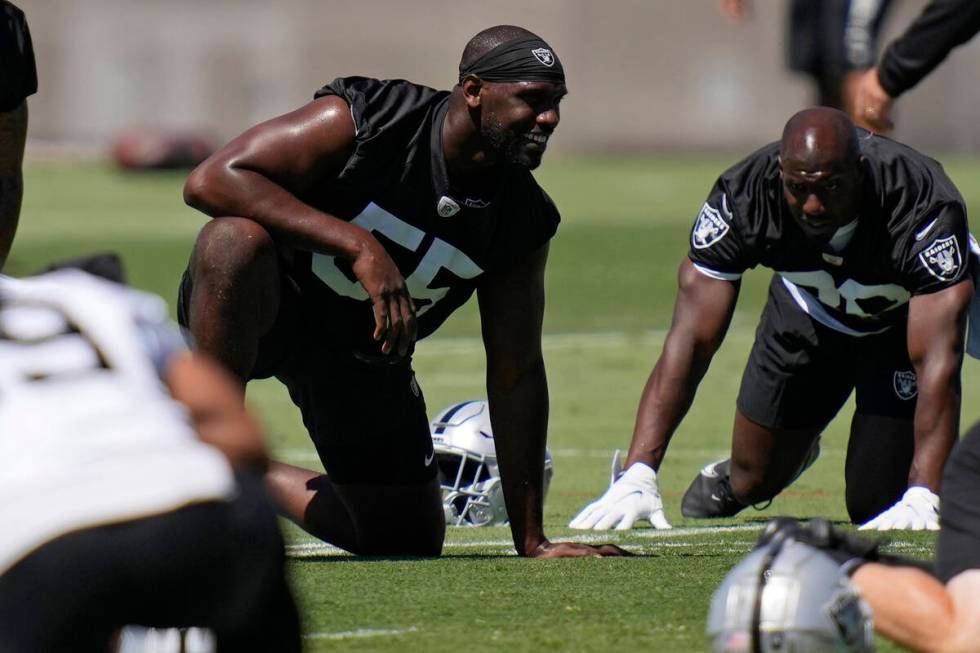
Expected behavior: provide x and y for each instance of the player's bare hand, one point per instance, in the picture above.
(575, 550)
(871, 106)
(394, 313)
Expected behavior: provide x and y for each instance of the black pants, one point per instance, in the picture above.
(217, 565)
(958, 546)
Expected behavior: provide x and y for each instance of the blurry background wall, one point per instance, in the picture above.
(642, 73)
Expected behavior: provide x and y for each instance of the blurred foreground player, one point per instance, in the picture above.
(118, 459)
(348, 228)
(869, 242)
(923, 607)
(18, 79)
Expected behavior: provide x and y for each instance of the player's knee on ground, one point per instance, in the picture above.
(397, 520)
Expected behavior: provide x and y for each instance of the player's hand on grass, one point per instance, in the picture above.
(917, 510)
(574, 550)
(394, 312)
(632, 495)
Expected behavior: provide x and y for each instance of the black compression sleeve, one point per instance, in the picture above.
(942, 25)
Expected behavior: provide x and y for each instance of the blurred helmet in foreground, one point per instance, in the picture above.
(462, 439)
(788, 597)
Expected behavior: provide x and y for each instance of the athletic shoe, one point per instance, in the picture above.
(710, 494)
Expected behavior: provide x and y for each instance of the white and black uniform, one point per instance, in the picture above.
(394, 184)
(113, 511)
(836, 315)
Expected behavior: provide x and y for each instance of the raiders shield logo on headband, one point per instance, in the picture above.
(544, 56)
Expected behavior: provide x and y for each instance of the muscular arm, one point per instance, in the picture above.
(511, 313)
(13, 133)
(935, 341)
(217, 413)
(702, 313)
(265, 173)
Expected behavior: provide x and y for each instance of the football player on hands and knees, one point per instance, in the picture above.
(350, 227)
(869, 242)
(131, 476)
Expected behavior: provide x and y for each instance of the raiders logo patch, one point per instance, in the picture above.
(904, 383)
(545, 56)
(709, 229)
(942, 258)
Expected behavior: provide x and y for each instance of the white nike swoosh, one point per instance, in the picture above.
(428, 459)
(714, 498)
(922, 234)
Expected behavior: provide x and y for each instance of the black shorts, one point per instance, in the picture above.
(827, 38)
(800, 372)
(216, 565)
(366, 417)
(958, 546)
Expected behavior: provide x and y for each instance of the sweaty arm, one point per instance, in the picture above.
(13, 133)
(702, 313)
(511, 311)
(214, 403)
(936, 325)
(265, 173)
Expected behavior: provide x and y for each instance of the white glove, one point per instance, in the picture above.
(917, 510)
(632, 495)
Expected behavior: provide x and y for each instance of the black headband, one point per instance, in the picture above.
(522, 60)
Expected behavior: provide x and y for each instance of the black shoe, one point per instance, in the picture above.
(710, 494)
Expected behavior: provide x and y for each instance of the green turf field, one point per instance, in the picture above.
(611, 285)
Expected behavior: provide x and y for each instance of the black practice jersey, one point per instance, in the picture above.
(395, 185)
(909, 237)
(18, 75)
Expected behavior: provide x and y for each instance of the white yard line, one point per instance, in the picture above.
(312, 548)
(362, 633)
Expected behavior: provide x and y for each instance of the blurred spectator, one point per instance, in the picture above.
(832, 41)
(942, 26)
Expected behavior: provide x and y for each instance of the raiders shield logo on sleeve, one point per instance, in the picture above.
(904, 384)
(709, 229)
(942, 258)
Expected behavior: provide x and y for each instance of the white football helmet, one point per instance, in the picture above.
(467, 465)
(789, 596)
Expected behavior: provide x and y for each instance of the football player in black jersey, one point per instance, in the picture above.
(942, 26)
(355, 224)
(19, 75)
(869, 242)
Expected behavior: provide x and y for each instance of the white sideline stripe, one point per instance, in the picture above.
(299, 453)
(555, 341)
(312, 548)
(361, 633)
